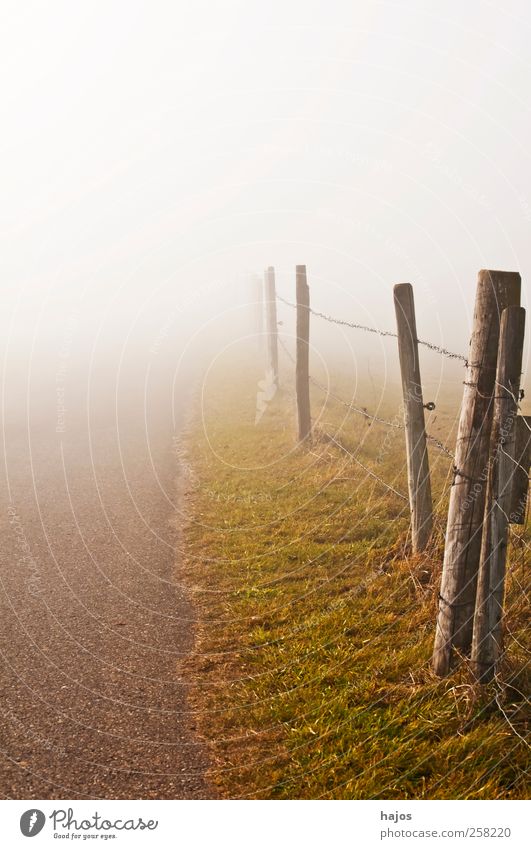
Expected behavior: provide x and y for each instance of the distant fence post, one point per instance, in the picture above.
(257, 296)
(522, 460)
(496, 290)
(486, 641)
(302, 375)
(418, 469)
(271, 321)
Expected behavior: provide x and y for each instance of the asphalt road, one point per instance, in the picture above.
(93, 623)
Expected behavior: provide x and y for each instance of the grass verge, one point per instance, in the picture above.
(311, 672)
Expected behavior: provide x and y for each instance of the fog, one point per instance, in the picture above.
(156, 155)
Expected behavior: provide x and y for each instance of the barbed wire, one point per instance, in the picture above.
(361, 411)
(437, 443)
(451, 355)
(352, 407)
(364, 467)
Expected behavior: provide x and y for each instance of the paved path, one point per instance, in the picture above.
(92, 620)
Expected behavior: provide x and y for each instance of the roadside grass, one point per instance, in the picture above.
(310, 676)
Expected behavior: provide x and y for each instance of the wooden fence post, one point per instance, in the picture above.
(487, 637)
(270, 300)
(302, 375)
(418, 469)
(522, 459)
(257, 296)
(496, 290)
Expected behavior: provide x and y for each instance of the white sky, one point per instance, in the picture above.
(149, 148)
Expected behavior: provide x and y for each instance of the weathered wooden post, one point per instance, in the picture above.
(257, 299)
(418, 469)
(302, 374)
(270, 299)
(487, 635)
(522, 460)
(496, 290)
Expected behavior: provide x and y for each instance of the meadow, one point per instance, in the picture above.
(311, 672)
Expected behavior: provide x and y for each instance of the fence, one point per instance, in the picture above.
(490, 467)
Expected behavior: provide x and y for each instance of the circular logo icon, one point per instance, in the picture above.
(31, 822)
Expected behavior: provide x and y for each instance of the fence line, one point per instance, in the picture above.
(451, 355)
(339, 444)
(484, 469)
(372, 417)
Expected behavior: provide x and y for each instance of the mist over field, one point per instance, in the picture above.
(150, 158)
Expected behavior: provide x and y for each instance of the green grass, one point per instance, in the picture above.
(311, 673)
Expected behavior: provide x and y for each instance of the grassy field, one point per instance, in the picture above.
(311, 670)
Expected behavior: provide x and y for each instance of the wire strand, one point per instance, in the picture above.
(430, 345)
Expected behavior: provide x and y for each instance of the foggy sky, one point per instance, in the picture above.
(154, 152)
